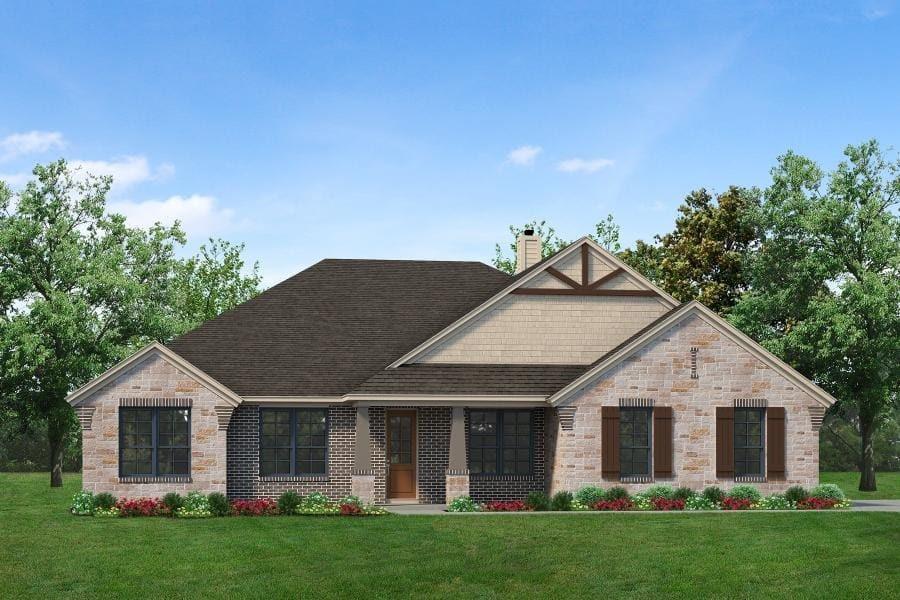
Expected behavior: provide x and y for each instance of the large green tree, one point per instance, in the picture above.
(825, 283)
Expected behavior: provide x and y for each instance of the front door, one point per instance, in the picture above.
(401, 446)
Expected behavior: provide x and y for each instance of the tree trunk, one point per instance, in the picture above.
(867, 473)
(56, 434)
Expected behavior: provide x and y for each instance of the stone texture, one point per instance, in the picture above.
(661, 371)
(153, 377)
(363, 487)
(457, 485)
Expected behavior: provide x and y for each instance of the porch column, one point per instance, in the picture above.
(457, 469)
(362, 479)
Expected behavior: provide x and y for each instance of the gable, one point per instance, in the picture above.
(572, 308)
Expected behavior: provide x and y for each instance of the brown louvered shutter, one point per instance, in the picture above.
(725, 442)
(662, 441)
(775, 442)
(609, 435)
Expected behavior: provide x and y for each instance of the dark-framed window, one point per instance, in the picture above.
(293, 441)
(749, 442)
(154, 442)
(501, 442)
(634, 441)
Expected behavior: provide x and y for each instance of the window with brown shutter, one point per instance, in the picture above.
(724, 442)
(775, 443)
(609, 416)
(662, 441)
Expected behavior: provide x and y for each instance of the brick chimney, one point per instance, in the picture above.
(528, 250)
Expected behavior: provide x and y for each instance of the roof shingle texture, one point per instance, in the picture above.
(328, 329)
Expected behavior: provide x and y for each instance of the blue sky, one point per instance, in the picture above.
(399, 131)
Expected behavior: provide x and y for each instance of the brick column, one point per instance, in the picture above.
(362, 482)
(457, 469)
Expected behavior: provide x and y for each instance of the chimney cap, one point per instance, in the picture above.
(528, 232)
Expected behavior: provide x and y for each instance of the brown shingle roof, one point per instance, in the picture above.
(329, 328)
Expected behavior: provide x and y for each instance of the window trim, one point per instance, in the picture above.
(498, 434)
(154, 444)
(650, 416)
(761, 475)
(293, 411)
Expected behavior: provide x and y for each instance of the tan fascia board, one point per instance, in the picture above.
(98, 382)
(295, 400)
(474, 400)
(495, 299)
(717, 322)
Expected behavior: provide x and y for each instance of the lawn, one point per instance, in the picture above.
(46, 553)
(888, 485)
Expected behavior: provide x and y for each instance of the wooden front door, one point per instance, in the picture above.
(401, 447)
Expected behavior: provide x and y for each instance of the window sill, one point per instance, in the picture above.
(636, 479)
(287, 478)
(156, 479)
(750, 479)
(488, 477)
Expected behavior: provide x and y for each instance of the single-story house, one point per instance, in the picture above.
(420, 381)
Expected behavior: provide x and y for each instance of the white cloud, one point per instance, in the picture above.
(199, 215)
(523, 156)
(30, 142)
(584, 165)
(15, 180)
(126, 171)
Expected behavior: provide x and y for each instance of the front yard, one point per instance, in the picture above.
(888, 485)
(45, 552)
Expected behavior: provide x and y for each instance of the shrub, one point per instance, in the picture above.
(505, 506)
(732, 503)
(350, 509)
(660, 490)
(796, 493)
(641, 501)
(683, 493)
(699, 503)
(463, 504)
(829, 491)
(816, 503)
(138, 507)
(316, 499)
(745, 492)
(104, 501)
(667, 504)
(615, 505)
(589, 495)
(354, 500)
(561, 501)
(173, 501)
(616, 493)
(195, 505)
(106, 512)
(83, 503)
(288, 502)
(537, 501)
(218, 504)
(254, 508)
(714, 495)
(774, 502)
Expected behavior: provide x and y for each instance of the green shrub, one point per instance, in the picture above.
(463, 504)
(173, 501)
(537, 501)
(698, 502)
(775, 502)
(104, 501)
(589, 495)
(218, 504)
(744, 491)
(683, 493)
(828, 491)
(351, 500)
(288, 502)
(315, 500)
(660, 490)
(195, 505)
(796, 493)
(616, 493)
(83, 503)
(714, 494)
(561, 501)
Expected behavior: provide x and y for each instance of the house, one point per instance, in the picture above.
(422, 381)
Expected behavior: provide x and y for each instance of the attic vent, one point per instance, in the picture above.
(750, 403)
(635, 402)
(694, 374)
(567, 418)
(85, 416)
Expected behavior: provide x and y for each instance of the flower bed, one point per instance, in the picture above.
(505, 506)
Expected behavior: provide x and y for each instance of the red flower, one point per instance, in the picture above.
(350, 509)
(666, 504)
(616, 505)
(730, 503)
(816, 503)
(139, 507)
(254, 508)
(507, 506)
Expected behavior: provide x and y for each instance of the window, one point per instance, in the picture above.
(154, 442)
(634, 441)
(500, 442)
(749, 430)
(293, 441)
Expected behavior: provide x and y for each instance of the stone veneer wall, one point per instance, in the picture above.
(152, 378)
(512, 487)
(662, 371)
(244, 480)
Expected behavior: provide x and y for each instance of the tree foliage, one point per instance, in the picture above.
(825, 283)
(551, 243)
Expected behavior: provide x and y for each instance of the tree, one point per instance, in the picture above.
(212, 282)
(825, 283)
(607, 234)
(78, 291)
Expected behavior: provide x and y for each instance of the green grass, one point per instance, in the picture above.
(47, 553)
(888, 485)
